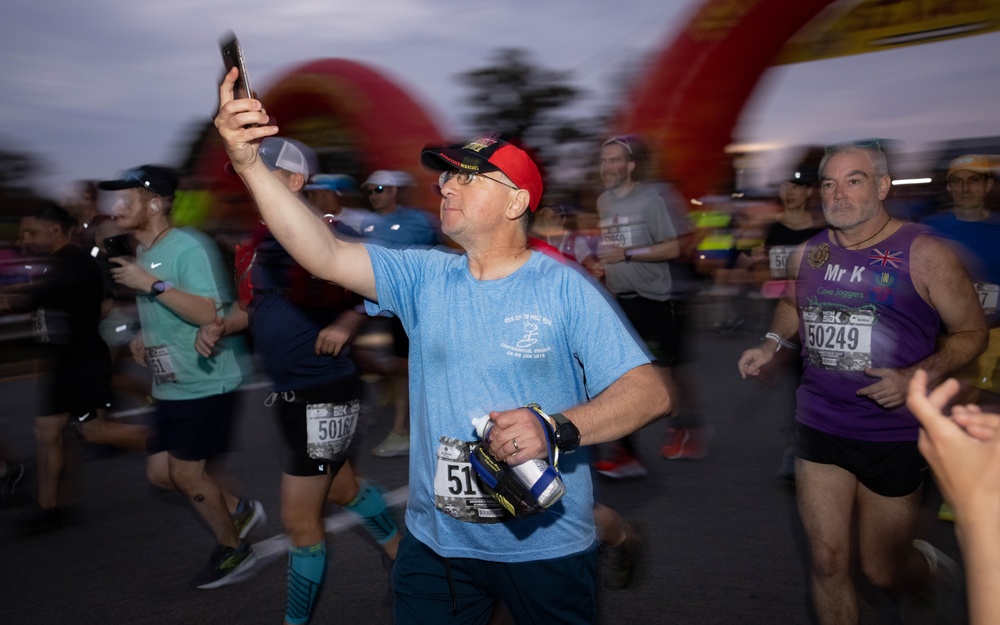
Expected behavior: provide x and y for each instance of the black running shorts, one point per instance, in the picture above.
(292, 410)
(193, 429)
(890, 469)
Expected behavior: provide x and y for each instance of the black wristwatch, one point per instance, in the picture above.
(565, 433)
(159, 287)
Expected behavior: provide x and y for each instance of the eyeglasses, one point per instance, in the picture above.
(619, 140)
(378, 189)
(465, 177)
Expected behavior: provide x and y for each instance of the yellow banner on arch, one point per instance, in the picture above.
(847, 27)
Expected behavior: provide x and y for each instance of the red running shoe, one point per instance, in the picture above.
(622, 466)
(685, 444)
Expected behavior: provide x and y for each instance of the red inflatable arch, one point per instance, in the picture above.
(355, 118)
(692, 95)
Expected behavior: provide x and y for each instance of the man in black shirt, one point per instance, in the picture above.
(66, 299)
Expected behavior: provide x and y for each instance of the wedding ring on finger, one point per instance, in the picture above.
(513, 442)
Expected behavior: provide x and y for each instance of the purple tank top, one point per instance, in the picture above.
(858, 309)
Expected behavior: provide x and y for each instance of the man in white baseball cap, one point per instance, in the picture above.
(394, 225)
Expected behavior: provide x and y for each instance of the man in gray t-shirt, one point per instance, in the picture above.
(639, 239)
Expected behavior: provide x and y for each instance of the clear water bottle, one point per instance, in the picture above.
(540, 478)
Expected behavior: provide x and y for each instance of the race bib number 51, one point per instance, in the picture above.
(158, 359)
(456, 489)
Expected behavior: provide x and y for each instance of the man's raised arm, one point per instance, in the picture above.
(242, 125)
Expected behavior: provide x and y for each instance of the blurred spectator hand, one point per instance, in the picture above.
(963, 450)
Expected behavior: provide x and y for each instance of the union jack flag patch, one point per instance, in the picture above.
(880, 258)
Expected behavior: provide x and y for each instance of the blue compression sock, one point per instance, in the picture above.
(369, 509)
(306, 570)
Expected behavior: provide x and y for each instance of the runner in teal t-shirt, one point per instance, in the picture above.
(181, 284)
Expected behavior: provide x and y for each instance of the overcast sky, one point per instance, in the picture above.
(93, 87)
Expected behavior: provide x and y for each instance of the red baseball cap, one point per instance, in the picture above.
(485, 154)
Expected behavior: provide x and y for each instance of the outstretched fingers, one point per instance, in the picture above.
(242, 123)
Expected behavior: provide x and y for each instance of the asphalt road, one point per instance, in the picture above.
(722, 539)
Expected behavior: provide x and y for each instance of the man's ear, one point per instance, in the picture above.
(518, 204)
(884, 184)
(297, 181)
(630, 169)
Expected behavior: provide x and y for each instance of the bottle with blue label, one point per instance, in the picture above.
(540, 478)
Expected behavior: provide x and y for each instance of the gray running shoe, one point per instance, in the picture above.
(392, 446)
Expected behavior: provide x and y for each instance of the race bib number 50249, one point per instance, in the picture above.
(840, 340)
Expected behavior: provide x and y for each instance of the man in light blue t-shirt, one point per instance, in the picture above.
(491, 331)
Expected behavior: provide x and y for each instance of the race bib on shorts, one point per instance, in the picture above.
(330, 428)
(51, 326)
(840, 340)
(988, 295)
(777, 258)
(456, 489)
(158, 360)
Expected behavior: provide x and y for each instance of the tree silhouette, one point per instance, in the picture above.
(518, 99)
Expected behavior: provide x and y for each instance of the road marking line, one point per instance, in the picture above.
(336, 523)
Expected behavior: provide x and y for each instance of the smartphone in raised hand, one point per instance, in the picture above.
(232, 56)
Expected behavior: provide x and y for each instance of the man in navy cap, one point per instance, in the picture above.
(180, 283)
(491, 331)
